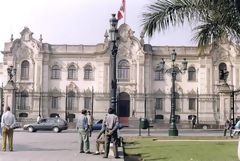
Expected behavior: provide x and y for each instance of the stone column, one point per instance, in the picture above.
(10, 96)
(224, 109)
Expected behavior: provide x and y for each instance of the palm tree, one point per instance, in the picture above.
(214, 20)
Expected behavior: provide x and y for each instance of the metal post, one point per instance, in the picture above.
(173, 128)
(39, 107)
(197, 107)
(2, 100)
(145, 103)
(92, 99)
(114, 78)
(113, 37)
(66, 105)
(232, 107)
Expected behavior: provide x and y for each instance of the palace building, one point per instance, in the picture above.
(62, 80)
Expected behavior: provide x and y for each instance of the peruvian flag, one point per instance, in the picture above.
(121, 10)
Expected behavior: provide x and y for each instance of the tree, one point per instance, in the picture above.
(215, 20)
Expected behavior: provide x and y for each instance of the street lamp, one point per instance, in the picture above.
(173, 70)
(113, 38)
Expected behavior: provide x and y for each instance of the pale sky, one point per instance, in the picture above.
(77, 21)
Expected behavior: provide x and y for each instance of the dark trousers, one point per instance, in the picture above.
(114, 139)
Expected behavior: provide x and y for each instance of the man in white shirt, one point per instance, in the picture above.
(7, 124)
(90, 123)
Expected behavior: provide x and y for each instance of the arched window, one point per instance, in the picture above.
(70, 100)
(24, 100)
(55, 72)
(72, 72)
(159, 74)
(191, 74)
(25, 70)
(222, 68)
(123, 70)
(88, 72)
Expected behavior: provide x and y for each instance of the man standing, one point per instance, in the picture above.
(100, 140)
(82, 127)
(111, 126)
(90, 123)
(8, 121)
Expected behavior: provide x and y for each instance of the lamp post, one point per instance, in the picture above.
(173, 70)
(113, 38)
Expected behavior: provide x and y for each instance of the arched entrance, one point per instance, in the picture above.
(123, 110)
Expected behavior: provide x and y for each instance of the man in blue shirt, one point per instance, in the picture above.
(82, 127)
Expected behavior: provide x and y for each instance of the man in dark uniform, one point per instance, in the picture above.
(111, 126)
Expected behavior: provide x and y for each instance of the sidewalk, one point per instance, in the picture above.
(49, 146)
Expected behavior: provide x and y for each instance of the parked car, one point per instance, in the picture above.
(97, 125)
(56, 124)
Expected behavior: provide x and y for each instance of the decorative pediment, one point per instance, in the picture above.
(26, 34)
(26, 47)
(56, 63)
(72, 87)
(192, 93)
(74, 64)
(89, 64)
(87, 91)
(55, 92)
(159, 91)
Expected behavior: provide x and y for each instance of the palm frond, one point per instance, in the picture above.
(163, 13)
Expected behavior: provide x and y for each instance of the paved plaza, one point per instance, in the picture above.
(49, 146)
(64, 146)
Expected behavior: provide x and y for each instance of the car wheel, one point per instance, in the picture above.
(56, 129)
(30, 129)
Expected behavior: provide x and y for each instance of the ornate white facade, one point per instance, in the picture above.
(46, 72)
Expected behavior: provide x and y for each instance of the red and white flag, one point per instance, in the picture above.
(121, 11)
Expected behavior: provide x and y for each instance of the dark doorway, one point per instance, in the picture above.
(123, 110)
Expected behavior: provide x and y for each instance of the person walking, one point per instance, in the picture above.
(90, 123)
(100, 140)
(7, 124)
(38, 118)
(82, 127)
(227, 126)
(111, 126)
(193, 122)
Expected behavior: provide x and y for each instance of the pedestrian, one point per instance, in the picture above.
(82, 127)
(90, 123)
(38, 118)
(193, 122)
(227, 126)
(7, 124)
(237, 126)
(111, 126)
(100, 140)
